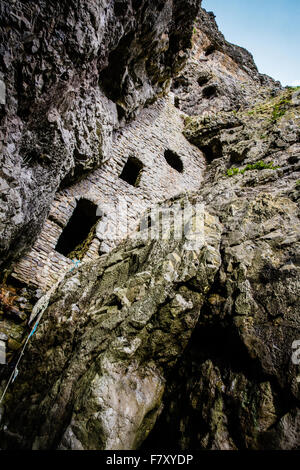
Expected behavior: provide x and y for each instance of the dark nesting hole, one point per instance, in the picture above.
(132, 171)
(210, 50)
(237, 157)
(121, 112)
(120, 8)
(79, 156)
(180, 81)
(209, 92)
(174, 160)
(213, 150)
(177, 102)
(293, 159)
(77, 230)
(203, 80)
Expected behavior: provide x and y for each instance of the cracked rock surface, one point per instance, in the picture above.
(111, 333)
(163, 343)
(218, 76)
(73, 72)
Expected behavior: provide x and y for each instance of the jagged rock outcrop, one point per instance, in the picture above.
(97, 368)
(268, 129)
(72, 71)
(164, 343)
(237, 386)
(95, 374)
(219, 76)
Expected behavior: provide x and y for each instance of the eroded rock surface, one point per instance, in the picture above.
(160, 345)
(109, 336)
(236, 386)
(70, 72)
(218, 76)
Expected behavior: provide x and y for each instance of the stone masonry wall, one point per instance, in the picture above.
(158, 128)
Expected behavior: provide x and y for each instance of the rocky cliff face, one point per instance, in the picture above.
(73, 71)
(219, 76)
(164, 343)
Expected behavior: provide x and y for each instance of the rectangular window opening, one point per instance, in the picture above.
(79, 232)
(132, 171)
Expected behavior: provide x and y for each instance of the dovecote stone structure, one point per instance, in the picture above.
(150, 161)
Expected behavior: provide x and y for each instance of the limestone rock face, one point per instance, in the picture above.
(218, 76)
(109, 337)
(237, 383)
(180, 343)
(234, 139)
(197, 341)
(69, 74)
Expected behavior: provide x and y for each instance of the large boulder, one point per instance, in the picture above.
(94, 374)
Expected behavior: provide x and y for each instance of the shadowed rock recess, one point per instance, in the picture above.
(74, 71)
(159, 343)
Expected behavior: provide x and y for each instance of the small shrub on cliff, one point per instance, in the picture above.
(232, 171)
(280, 109)
(261, 165)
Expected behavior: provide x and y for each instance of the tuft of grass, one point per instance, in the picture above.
(233, 171)
(280, 109)
(260, 165)
(274, 109)
(293, 88)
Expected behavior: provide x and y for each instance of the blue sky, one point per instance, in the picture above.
(269, 29)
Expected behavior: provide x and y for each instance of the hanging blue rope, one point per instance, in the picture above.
(16, 371)
(76, 262)
(33, 329)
